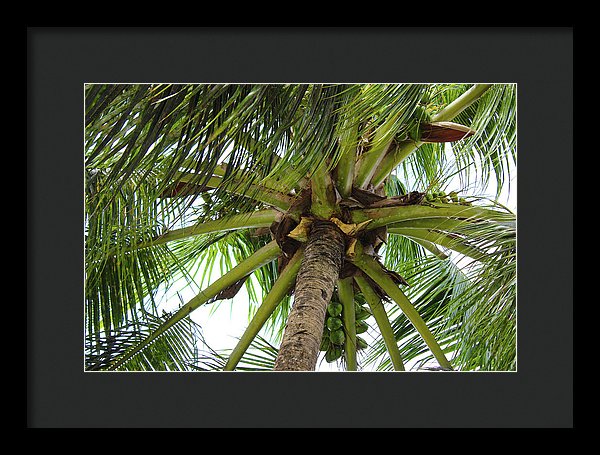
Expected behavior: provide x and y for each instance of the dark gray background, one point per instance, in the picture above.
(61, 60)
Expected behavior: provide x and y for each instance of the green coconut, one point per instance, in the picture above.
(422, 114)
(337, 337)
(333, 353)
(334, 323)
(325, 343)
(334, 309)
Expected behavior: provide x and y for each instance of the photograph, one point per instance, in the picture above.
(300, 227)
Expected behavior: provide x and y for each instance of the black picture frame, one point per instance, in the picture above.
(61, 395)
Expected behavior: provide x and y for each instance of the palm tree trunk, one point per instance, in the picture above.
(315, 283)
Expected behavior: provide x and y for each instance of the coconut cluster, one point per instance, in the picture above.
(334, 332)
(450, 198)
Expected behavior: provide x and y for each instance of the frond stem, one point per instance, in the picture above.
(344, 171)
(346, 295)
(323, 192)
(383, 322)
(389, 215)
(261, 218)
(439, 238)
(282, 285)
(390, 161)
(238, 186)
(374, 270)
(265, 182)
(431, 247)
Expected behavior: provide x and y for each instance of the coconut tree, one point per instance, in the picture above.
(340, 207)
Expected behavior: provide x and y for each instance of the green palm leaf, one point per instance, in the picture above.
(468, 304)
(260, 356)
(493, 146)
(175, 351)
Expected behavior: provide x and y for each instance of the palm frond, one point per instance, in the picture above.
(489, 110)
(279, 133)
(486, 309)
(120, 275)
(493, 146)
(388, 336)
(431, 284)
(175, 351)
(394, 117)
(274, 297)
(469, 305)
(217, 290)
(202, 256)
(379, 276)
(117, 280)
(260, 356)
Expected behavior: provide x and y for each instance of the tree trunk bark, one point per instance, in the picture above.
(315, 283)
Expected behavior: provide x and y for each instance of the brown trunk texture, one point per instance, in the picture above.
(315, 283)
